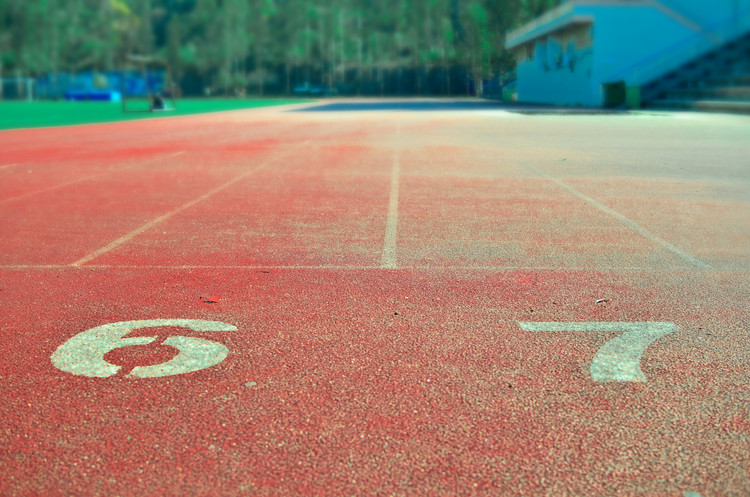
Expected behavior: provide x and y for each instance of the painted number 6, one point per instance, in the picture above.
(84, 353)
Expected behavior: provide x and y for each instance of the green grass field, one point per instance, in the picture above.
(14, 115)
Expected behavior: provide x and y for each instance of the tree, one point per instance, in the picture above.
(403, 46)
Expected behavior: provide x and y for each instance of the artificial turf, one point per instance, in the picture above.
(15, 115)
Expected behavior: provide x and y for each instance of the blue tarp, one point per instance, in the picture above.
(95, 95)
(100, 84)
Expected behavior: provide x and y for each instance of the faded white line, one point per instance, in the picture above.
(631, 224)
(389, 259)
(249, 268)
(164, 217)
(7, 166)
(16, 267)
(86, 178)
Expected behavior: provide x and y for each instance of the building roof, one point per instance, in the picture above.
(556, 19)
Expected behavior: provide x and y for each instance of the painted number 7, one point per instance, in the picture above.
(620, 358)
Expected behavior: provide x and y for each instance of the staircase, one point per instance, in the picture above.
(718, 81)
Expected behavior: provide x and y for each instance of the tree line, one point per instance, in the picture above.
(407, 47)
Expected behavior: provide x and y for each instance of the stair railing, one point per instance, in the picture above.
(689, 48)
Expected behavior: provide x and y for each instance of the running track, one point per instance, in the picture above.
(385, 301)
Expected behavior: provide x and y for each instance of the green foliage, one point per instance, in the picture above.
(231, 43)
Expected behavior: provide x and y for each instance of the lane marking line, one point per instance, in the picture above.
(557, 269)
(86, 178)
(624, 220)
(7, 166)
(125, 238)
(389, 259)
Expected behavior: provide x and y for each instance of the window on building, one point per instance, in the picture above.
(540, 55)
(525, 53)
(554, 52)
(583, 37)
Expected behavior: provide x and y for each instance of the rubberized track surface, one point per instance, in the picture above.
(415, 303)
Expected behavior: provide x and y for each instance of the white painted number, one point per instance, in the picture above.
(620, 358)
(84, 353)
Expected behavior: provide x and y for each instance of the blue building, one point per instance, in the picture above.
(657, 48)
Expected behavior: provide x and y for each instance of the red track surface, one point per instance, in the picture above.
(376, 267)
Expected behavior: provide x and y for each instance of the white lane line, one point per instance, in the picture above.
(7, 166)
(249, 268)
(86, 178)
(389, 259)
(164, 217)
(16, 267)
(627, 222)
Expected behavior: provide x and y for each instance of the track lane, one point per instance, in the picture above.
(326, 387)
(322, 204)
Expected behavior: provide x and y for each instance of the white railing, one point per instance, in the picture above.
(672, 57)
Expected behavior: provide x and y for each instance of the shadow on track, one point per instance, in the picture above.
(413, 106)
(450, 105)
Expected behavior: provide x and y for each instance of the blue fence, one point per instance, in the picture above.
(97, 84)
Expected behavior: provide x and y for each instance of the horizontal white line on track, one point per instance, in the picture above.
(86, 178)
(16, 267)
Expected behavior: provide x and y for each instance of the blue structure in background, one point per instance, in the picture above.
(104, 85)
(567, 56)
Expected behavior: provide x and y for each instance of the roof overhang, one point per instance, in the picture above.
(537, 29)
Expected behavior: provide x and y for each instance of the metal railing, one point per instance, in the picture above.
(689, 48)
